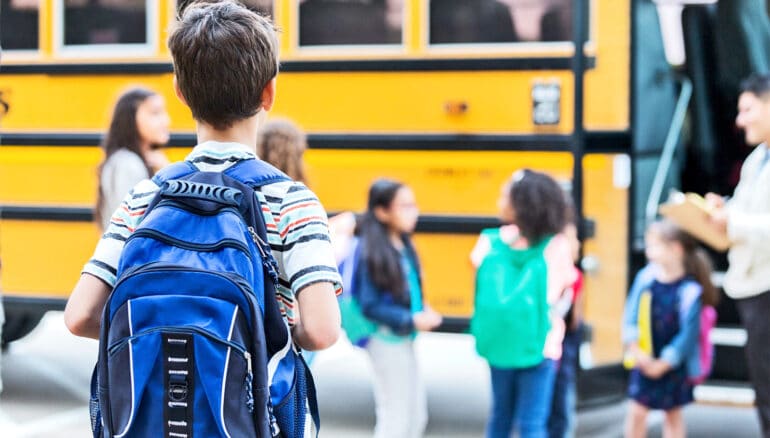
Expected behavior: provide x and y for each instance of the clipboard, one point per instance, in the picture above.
(690, 212)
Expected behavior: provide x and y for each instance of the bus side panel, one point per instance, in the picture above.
(606, 179)
(445, 182)
(44, 258)
(48, 175)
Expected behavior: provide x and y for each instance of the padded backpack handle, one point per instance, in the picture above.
(202, 191)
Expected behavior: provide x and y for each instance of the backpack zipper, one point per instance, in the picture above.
(210, 247)
(111, 350)
(239, 281)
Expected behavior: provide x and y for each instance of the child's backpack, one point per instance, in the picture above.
(357, 327)
(644, 327)
(192, 340)
(510, 319)
(708, 319)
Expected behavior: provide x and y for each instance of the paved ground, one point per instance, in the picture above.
(46, 377)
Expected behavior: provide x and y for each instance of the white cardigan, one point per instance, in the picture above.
(748, 225)
(121, 172)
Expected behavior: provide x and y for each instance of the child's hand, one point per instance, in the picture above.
(655, 369)
(641, 358)
(426, 320)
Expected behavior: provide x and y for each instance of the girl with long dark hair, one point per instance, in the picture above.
(389, 290)
(139, 126)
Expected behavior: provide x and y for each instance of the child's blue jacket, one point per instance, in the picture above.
(684, 348)
(381, 306)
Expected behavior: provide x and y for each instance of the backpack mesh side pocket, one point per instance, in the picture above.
(291, 412)
(93, 407)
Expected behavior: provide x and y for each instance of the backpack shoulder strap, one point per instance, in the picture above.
(708, 317)
(256, 173)
(174, 171)
(543, 244)
(493, 235)
(689, 292)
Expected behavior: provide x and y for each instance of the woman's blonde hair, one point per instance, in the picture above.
(282, 143)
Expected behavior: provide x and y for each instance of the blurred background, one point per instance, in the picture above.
(449, 96)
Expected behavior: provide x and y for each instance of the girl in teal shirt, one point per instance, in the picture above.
(389, 291)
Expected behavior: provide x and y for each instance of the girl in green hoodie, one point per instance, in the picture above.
(523, 269)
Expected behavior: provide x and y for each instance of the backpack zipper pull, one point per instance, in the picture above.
(271, 266)
(275, 431)
(248, 383)
(247, 356)
(255, 237)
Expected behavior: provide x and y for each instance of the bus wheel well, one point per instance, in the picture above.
(19, 324)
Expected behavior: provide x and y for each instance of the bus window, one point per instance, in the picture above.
(105, 22)
(350, 22)
(19, 24)
(264, 7)
(499, 21)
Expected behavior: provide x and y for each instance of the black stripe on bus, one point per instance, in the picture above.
(36, 305)
(455, 224)
(400, 65)
(363, 65)
(58, 214)
(426, 224)
(88, 68)
(76, 139)
(597, 141)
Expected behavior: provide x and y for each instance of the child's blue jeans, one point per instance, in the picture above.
(561, 423)
(521, 398)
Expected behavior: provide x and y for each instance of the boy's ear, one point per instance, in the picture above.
(268, 95)
(179, 92)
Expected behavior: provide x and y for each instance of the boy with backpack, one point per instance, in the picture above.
(220, 264)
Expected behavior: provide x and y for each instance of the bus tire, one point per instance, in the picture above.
(19, 324)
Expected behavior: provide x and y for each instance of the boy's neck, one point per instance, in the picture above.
(243, 132)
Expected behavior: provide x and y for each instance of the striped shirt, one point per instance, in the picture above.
(297, 227)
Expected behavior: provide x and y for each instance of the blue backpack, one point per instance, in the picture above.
(192, 341)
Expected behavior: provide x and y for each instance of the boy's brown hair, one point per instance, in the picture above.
(224, 56)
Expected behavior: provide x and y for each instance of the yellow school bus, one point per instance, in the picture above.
(449, 96)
